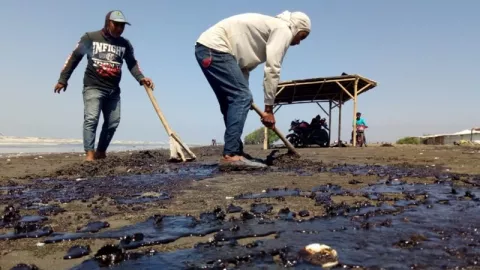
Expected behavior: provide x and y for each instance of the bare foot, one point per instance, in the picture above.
(240, 161)
(90, 156)
(232, 158)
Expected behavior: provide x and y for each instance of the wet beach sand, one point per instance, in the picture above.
(398, 207)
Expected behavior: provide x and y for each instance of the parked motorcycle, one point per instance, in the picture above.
(305, 134)
(360, 138)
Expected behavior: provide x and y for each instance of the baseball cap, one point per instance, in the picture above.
(117, 16)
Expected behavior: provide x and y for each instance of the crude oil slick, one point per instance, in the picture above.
(398, 225)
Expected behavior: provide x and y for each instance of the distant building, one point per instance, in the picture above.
(472, 135)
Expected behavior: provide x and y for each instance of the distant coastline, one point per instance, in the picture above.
(12, 145)
(11, 140)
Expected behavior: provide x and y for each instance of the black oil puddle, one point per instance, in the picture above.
(23, 266)
(394, 172)
(23, 227)
(76, 252)
(270, 193)
(426, 225)
(44, 195)
(155, 230)
(93, 227)
(122, 189)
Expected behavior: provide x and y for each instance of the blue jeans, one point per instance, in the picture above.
(95, 101)
(231, 89)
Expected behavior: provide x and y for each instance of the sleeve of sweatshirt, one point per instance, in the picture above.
(132, 63)
(74, 59)
(277, 46)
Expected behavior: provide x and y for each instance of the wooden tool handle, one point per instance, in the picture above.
(280, 135)
(165, 124)
(157, 109)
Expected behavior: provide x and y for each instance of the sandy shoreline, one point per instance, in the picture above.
(192, 188)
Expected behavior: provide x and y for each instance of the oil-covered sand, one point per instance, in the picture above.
(401, 207)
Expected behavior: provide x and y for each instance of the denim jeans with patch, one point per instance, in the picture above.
(231, 89)
(108, 103)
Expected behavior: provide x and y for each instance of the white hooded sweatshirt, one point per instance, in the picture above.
(254, 39)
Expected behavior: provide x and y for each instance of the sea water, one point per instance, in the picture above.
(20, 149)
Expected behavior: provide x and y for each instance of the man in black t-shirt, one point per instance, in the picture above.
(105, 50)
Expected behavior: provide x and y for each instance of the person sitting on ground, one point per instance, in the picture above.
(228, 51)
(105, 50)
(360, 122)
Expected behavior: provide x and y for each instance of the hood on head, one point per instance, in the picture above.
(297, 21)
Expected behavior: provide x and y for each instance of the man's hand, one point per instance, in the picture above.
(59, 87)
(148, 82)
(268, 119)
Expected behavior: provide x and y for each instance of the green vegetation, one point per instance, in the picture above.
(256, 137)
(409, 140)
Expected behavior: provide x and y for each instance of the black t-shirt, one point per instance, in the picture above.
(105, 59)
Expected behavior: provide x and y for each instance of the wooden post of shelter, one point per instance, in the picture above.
(265, 138)
(329, 122)
(340, 102)
(355, 92)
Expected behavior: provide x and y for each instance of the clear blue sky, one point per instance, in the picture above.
(424, 55)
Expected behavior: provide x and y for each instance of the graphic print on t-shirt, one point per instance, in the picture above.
(107, 58)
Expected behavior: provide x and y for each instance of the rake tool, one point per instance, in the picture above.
(176, 145)
(290, 147)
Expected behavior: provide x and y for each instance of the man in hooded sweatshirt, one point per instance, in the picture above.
(233, 47)
(105, 49)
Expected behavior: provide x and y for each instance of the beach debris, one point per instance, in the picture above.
(320, 254)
